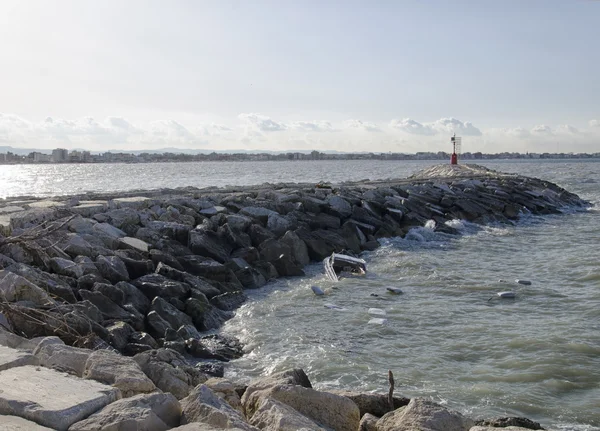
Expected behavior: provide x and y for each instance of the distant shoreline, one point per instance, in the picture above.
(132, 158)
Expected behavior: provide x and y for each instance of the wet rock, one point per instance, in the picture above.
(229, 301)
(176, 231)
(212, 369)
(374, 404)
(251, 278)
(109, 310)
(212, 270)
(222, 346)
(238, 222)
(298, 249)
(204, 315)
(169, 371)
(505, 422)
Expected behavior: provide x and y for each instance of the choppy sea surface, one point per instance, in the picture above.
(537, 355)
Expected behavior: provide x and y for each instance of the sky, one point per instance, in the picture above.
(372, 76)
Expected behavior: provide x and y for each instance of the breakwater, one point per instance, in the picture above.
(246, 236)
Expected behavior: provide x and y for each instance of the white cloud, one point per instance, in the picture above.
(312, 126)
(362, 125)
(542, 129)
(567, 129)
(413, 127)
(445, 126)
(452, 125)
(262, 123)
(518, 132)
(594, 123)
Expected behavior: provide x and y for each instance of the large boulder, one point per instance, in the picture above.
(194, 281)
(155, 412)
(119, 371)
(298, 249)
(51, 283)
(62, 357)
(338, 206)
(207, 243)
(50, 398)
(112, 268)
(202, 405)
(204, 315)
(15, 288)
(422, 414)
(375, 404)
(326, 409)
(171, 314)
(109, 310)
(169, 371)
(153, 285)
(77, 246)
(274, 415)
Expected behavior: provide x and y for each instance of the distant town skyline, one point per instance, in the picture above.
(355, 76)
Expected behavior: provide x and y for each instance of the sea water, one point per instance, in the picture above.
(448, 336)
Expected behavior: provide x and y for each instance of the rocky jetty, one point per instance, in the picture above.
(107, 297)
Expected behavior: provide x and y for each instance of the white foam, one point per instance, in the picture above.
(376, 312)
(377, 321)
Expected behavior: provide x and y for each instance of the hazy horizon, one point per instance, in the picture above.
(353, 77)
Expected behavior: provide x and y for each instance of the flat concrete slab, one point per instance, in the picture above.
(50, 398)
(15, 423)
(10, 358)
(11, 209)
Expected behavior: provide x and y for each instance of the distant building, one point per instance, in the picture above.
(60, 155)
(41, 157)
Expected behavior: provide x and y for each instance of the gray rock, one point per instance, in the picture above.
(278, 224)
(374, 404)
(338, 206)
(50, 398)
(113, 293)
(77, 246)
(112, 268)
(14, 288)
(251, 278)
(169, 371)
(229, 301)
(155, 412)
(51, 283)
(259, 234)
(207, 243)
(108, 308)
(153, 285)
(424, 414)
(118, 334)
(169, 313)
(298, 249)
(368, 422)
(202, 405)
(10, 358)
(274, 415)
(62, 357)
(177, 231)
(119, 371)
(238, 222)
(15, 423)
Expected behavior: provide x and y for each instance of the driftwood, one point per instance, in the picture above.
(38, 232)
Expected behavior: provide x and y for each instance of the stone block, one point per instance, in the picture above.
(50, 398)
(10, 358)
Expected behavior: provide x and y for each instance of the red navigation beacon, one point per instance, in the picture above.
(455, 149)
